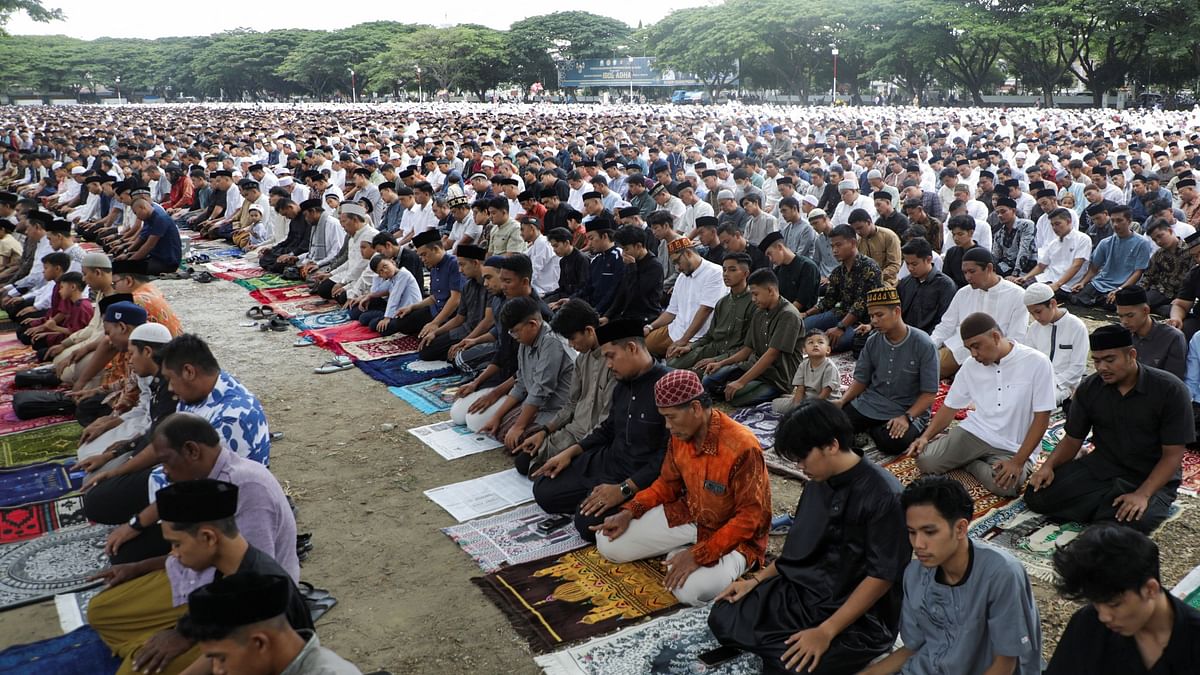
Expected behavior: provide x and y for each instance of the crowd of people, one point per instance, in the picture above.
(604, 278)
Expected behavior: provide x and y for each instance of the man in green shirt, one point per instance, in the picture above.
(763, 368)
(730, 318)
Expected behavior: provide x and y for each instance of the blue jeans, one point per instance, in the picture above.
(755, 392)
(827, 320)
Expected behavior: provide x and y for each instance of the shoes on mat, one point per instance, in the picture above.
(303, 341)
(334, 365)
(781, 524)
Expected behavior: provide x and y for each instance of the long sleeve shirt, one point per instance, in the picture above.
(349, 271)
(847, 291)
(631, 441)
(603, 280)
(590, 396)
(1015, 249)
(1065, 342)
(326, 241)
(640, 291)
(721, 486)
(402, 292)
(924, 301)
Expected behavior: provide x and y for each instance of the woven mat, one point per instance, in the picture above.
(381, 347)
(512, 538)
(39, 445)
(80, 652)
(334, 337)
(58, 562)
(37, 482)
(559, 600)
(663, 646)
(431, 396)
(20, 523)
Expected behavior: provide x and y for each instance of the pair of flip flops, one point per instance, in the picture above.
(275, 323)
(260, 312)
(201, 258)
(204, 278)
(319, 600)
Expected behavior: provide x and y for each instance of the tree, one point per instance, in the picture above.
(465, 58)
(246, 61)
(33, 8)
(695, 41)
(322, 61)
(570, 36)
(1044, 42)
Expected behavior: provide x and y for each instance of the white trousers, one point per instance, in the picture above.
(650, 536)
(474, 421)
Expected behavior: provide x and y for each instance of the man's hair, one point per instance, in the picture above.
(790, 202)
(1104, 562)
(977, 324)
(574, 317)
(178, 428)
(630, 234)
(966, 223)
(729, 229)
(845, 232)
(918, 247)
(517, 310)
(57, 259)
(945, 494)
(1156, 224)
(763, 277)
(1122, 209)
(660, 218)
(816, 333)
(1059, 214)
(73, 278)
(519, 264)
(189, 349)
(498, 203)
(814, 423)
(742, 258)
(199, 632)
(383, 238)
(283, 203)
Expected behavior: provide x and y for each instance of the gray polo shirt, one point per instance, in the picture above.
(1164, 347)
(896, 374)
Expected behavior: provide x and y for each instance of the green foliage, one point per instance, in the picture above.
(34, 8)
(533, 43)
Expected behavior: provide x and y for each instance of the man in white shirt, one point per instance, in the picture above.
(669, 203)
(1063, 262)
(356, 223)
(542, 257)
(1012, 388)
(694, 208)
(851, 200)
(698, 287)
(1061, 336)
(985, 292)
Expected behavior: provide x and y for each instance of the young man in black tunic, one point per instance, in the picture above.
(831, 602)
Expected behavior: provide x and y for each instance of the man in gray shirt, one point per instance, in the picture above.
(895, 377)
(1158, 345)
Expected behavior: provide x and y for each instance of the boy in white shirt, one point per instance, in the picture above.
(1061, 336)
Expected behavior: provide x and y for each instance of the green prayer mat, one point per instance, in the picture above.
(39, 445)
(1193, 599)
(267, 281)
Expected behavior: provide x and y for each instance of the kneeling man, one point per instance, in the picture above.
(1012, 387)
(710, 507)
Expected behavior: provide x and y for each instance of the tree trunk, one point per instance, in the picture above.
(1097, 97)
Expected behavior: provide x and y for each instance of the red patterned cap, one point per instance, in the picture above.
(677, 388)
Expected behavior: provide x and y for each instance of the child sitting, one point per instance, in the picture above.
(70, 311)
(403, 294)
(816, 377)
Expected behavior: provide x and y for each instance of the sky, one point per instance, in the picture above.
(88, 19)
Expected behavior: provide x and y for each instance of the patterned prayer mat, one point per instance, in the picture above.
(560, 600)
(241, 273)
(1191, 474)
(512, 538)
(430, 396)
(36, 483)
(381, 347)
(763, 421)
(663, 646)
(399, 371)
(58, 562)
(11, 424)
(267, 281)
(336, 317)
(272, 296)
(1188, 588)
(906, 471)
(334, 337)
(39, 445)
(18, 523)
(80, 652)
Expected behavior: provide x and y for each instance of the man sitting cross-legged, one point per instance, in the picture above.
(1140, 421)
(968, 606)
(592, 478)
(709, 509)
(590, 395)
(831, 602)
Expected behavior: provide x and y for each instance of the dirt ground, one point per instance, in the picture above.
(406, 603)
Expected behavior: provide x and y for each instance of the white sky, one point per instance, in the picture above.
(88, 19)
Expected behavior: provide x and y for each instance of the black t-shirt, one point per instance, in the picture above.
(1088, 646)
(1190, 290)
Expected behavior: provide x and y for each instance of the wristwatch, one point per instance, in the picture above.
(136, 524)
(626, 491)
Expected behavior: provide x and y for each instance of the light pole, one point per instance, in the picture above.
(117, 80)
(353, 87)
(631, 79)
(833, 98)
(420, 87)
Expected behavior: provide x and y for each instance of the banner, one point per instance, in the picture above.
(622, 72)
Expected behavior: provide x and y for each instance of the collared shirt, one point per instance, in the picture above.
(1117, 258)
(799, 281)
(883, 246)
(638, 296)
(506, 238)
(801, 238)
(896, 375)
(1006, 396)
(356, 263)
(1088, 646)
(721, 486)
(1164, 347)
(1167, 270)
(314, 659)
(1130, 430)
(1061, 253)
(444, 278)
(727, 331)
(573, 271)
(604, 278)
(1015, 250)
(1004, 302)
(237, 416)
(1065, 342)
(544, 371)
(264, 518)
(760, 226)
(847, 290)
(590, 396)
(702, 288)
(402, 291)
(779, 327)
(924, 301)
(631, 441)
(545, 265)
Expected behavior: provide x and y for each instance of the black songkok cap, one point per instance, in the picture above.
(619, 329)
(239, 600)
(1112, 336)
(197, 501)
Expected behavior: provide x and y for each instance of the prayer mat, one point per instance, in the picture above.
(763, 421)
(381, 347)
(240, 274)
(905, 470)
(940, 398)
(663, 646)
(1191, 474)
(1188, 588)
(399, 371)
(80, 652)
(58, 562)
(11, 424)
(37, 482)
(329, 319)
(291, 310)
(564, 599)
(272, 296)
(39, 445)
(231, 265)
(334, 337)
(431, 396)
(845, 366)
(18, 523)
(267, 281)
(512, 538)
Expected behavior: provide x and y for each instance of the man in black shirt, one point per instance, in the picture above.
(926, 292)
(833, 596)
(296, 242)
(572, 268)
(1140, 420)
(594, 477)
(733, 240)
(1131, 624)
(640, 293)
(799, 278)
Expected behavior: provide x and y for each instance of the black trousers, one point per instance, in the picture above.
(1160, 304)
(325, 290)
(23, 331)
(91, 409)
(413, 322)
(159, 267)
(114, 502)
(1078, 494)
(564, 494)
(877, 430)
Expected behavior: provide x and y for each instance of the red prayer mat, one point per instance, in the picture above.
(18, 523)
